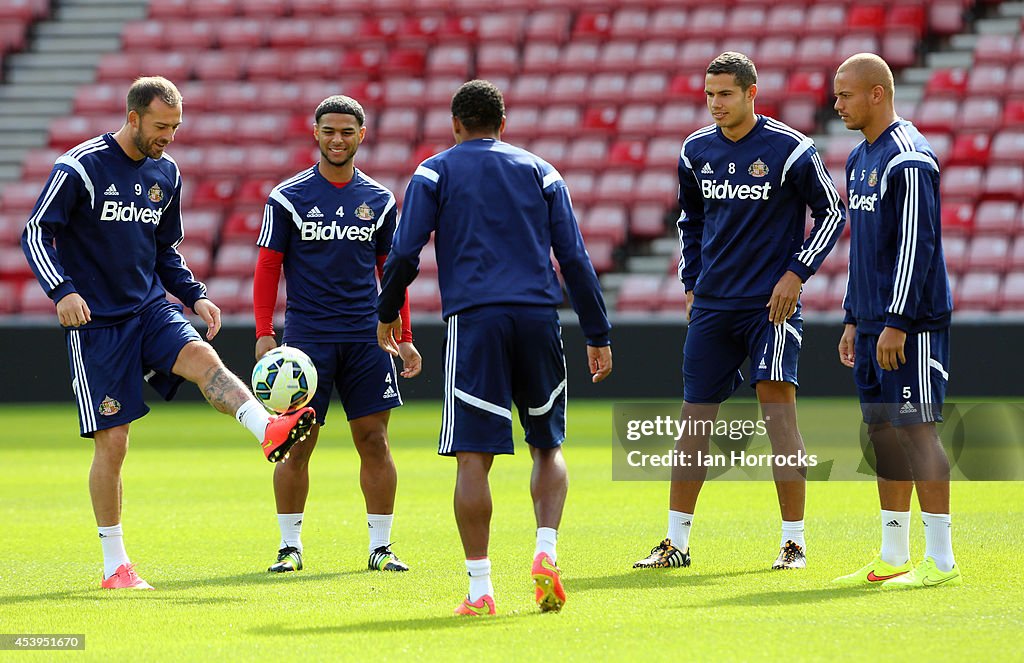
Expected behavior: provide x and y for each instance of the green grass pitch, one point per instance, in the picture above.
(199, 522)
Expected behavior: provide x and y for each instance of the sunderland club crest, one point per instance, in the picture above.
(109, 406)
(873, 177)
(156, 194)
(758, 169)
(364, 212)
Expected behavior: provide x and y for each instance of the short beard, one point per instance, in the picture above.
(327, 158)
(142, 147)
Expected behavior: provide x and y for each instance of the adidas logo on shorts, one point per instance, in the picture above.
(390, 393)
(908, 408)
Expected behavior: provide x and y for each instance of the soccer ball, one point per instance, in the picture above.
(284, 379)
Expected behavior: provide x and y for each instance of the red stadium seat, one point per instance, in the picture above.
(826, 19)
(288, 33)
(498, 28)
(616, 186)
(401, 123)
(672, 298)
(706, 20)
(814, 294)
(800, 114)
(962, 183)
(214, 193)
(668, 23)
(647, 221)
(424, 295)
(838, 260)
(197, 258)
(814, 50)
(657, 55)
(1015, 85)
(663, 152)
(14, 266)
(217, 9)
(169, 9)
(606, 88)
(437, 124)
(264, 8)
(10, 296)
(627, 154)
(955, 250)
(591, 25)
(811, 85)
(552, 150)
(778, 51)
(528, 89)
(638, 120)
(639, 293)
(227, 292)
(404, 91)
(647, 87)
(990, 253)
(957, 219)
(995, 49)
(629, 23)
(220, 65)
(580, 56)
(243, 227)
(899, 48)
(784, 20)
(979, 291)
(569, 88)
(837, 149)
(520, 123)
(189, 35)
(494, 59)
(946, 17)
(906, 17)
(869, 18)
(587, 154)
(551, 25)
(559, 120)
(242, 33)
(20, 197)
(1012, 295)
(688, 87)
(998, 217)
(618, 56)
(606, 221)
(681, 120)
(451, 59)
(978, 114)
(201, 226)
(1004, 182)
(237, 259)
(746, 21)
(11, 227)
(38, 163)
(35, 302)
(600, 119)
(1016, 257)
(141, 35)
(987, 79)
(947, 83)
(855, 43)
(1008, 147)
(970, 149)
(316, 9)
(581, 186)
(657, 187)
(541, 58)
(936, 115)
(1013, 114)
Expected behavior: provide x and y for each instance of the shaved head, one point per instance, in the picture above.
(864, 92)
(870, 70)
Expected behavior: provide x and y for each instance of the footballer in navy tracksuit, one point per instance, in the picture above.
(898, 275)
(106, 226)
(742, 227)
(496, 278)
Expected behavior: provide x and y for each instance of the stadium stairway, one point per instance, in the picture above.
(41, 82)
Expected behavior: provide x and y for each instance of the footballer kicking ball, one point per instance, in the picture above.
(284, 379)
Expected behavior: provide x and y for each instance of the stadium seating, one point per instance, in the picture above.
(604, 91)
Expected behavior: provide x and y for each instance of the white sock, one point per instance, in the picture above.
(379, 525)
(291, 530)
(793, 530)
(895, 537)
(253, 416)
(114, 555)
(937, 543)
(679, 529)
(479, 571)
(546, 539)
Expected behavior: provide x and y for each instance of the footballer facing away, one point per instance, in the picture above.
(497, 212)
(102, 241)
(331, 226)
(745, 184)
